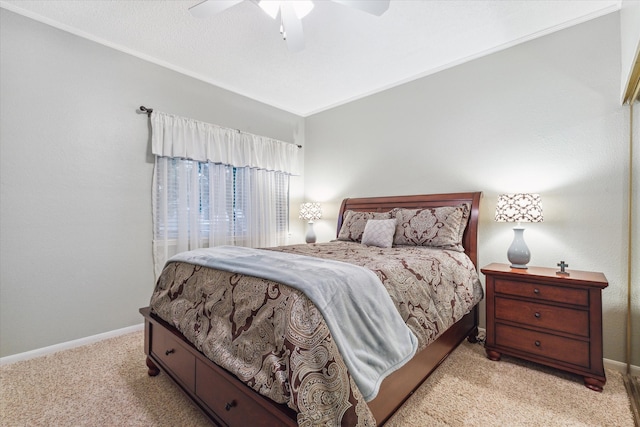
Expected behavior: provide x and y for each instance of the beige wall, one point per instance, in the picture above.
(541, 117)
(75, 211)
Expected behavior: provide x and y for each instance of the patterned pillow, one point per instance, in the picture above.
(379, 232)
(354, 222)
(466, 212)
(440, 227)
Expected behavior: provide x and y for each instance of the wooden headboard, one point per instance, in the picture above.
(384, 204)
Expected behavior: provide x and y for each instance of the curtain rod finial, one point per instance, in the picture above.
(146, 110)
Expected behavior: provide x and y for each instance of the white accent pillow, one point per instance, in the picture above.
(353, 224)
(379, 232)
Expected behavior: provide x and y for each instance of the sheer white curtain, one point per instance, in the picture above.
(214, 186)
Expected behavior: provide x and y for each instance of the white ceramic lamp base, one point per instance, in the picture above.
(518, 253)
(311, 235)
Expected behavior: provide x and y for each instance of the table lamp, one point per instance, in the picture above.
(310, 212)
(520, 207)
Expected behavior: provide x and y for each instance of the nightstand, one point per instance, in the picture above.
(547, 318)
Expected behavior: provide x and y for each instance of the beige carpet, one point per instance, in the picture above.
(106, 384)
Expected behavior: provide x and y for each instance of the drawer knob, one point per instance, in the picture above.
(168, 352)
(230, 405)
(536, 291)
(537, 315)
(537, 343)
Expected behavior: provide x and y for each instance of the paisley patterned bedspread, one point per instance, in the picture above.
(275, 340)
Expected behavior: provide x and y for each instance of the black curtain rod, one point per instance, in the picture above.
(146, 110)
(150, 110)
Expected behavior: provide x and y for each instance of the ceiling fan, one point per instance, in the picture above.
(291, 13)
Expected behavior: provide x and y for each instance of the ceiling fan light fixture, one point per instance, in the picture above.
(291, 13)
(272, 7)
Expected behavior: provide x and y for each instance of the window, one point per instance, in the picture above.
(218, 198)
(202, 204)
(216, 186)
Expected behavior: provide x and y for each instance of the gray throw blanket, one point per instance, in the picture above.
(366, 326)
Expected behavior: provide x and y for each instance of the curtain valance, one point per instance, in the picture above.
(180, 137)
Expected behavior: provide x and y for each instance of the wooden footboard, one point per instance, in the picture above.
(228, 401)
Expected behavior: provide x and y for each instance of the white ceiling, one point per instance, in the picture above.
(349, 54)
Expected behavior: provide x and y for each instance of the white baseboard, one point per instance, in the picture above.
(621, 367)
(68, 345)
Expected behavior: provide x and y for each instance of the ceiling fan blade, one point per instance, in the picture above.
(292, 27)
(211, 7)
(374, 7)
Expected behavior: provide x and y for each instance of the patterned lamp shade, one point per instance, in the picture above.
(520, 207)
(310, 211)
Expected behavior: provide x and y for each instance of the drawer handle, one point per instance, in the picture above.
(537, 343)
(537, 315)
(230, 405)
(168, 352)
(536, 291)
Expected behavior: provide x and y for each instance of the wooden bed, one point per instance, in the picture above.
(228, 401)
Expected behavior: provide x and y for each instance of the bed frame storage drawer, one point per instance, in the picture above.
(175, 356)
(231, 403)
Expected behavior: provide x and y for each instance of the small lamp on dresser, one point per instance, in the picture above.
(518, 208)
(310, 212)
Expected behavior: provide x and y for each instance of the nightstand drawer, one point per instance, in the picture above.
(542, 292)
(543, 316)
(566, 350)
